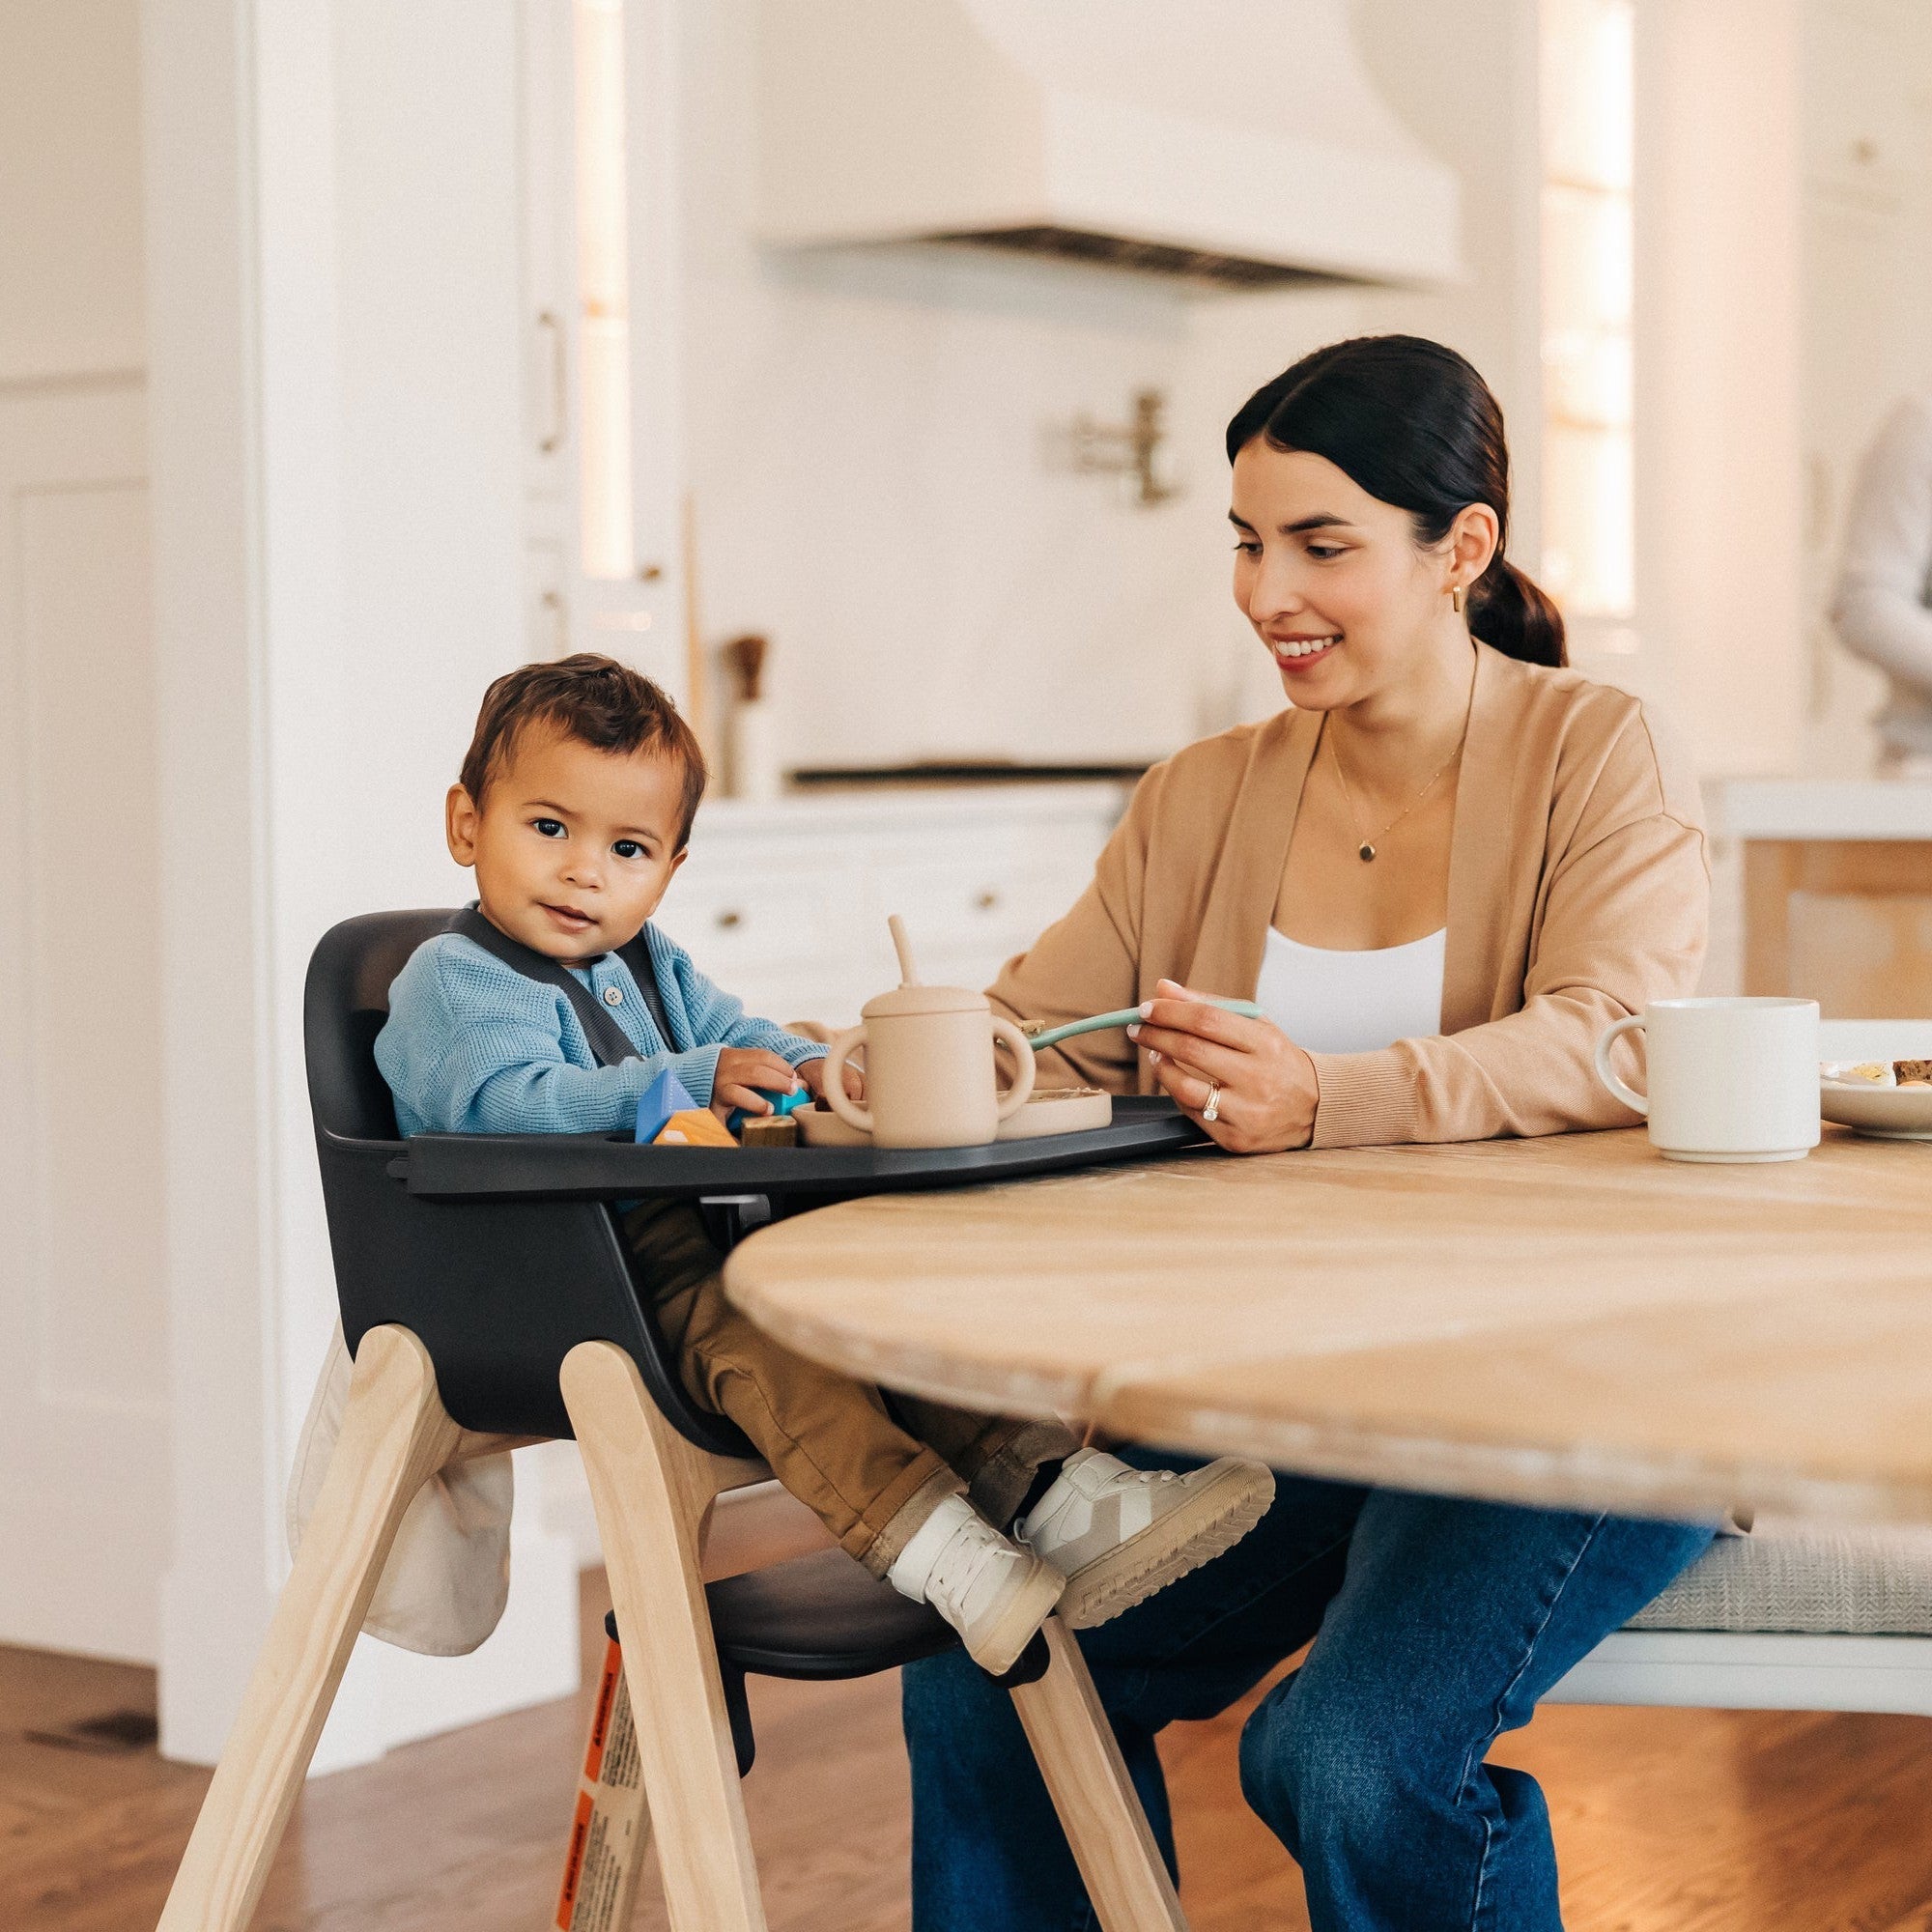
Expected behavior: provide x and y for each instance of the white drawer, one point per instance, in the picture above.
(833, 1000)
(975, 966)
(970, 900)
(737, 919)
(787, 907)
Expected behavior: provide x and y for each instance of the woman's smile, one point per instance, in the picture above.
(1299, 655)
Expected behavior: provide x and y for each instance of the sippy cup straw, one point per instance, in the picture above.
(903, 946)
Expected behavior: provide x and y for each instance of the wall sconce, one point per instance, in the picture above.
(1130, 449)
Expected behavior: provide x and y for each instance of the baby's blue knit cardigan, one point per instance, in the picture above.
(472, 1047)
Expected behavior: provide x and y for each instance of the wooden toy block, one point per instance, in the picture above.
(696, 1126)
(663, 1098)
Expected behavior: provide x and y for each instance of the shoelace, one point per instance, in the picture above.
(954, 1571)
(1149, 1476)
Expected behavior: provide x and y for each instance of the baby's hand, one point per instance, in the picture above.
(740, 1071)
(813, 1073)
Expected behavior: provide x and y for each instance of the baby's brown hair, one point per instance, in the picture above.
(595, 700)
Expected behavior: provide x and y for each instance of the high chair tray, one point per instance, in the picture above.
(599, 1167)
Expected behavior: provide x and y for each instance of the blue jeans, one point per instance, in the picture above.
(1441, 1623)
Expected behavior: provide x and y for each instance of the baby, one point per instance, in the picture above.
(574, 806)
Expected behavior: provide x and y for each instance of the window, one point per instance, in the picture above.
(1588, 562)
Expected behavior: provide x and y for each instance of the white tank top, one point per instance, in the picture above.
(1331, 1002)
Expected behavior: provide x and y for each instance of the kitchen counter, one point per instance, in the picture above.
(1838, 891)
(831, 810)
(1853, 809)
(785, 903)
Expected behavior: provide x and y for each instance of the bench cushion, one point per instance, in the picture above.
(1788, 1576)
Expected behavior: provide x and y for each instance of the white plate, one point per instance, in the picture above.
(1068, 1110)
(1890, 1113)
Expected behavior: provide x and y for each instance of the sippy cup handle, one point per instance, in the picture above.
(1025, 1067)
(837, 1098)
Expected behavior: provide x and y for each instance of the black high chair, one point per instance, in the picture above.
(502, 1312)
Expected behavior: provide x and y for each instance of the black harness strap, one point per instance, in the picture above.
(637, 957)
(609, 1041)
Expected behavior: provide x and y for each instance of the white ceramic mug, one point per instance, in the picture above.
(1729, 1079)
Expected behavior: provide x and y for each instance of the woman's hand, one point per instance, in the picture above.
(1267, 1086)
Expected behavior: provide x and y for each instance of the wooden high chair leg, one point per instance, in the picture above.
(395, 1435)
(1099, 1810)
(651, 1489)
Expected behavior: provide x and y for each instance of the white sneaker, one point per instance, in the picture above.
(1119, 1534)
(991, 1591)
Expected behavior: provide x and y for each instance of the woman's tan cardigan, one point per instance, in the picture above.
(1579, 889)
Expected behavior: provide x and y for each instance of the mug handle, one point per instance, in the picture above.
(832, 1081)
(1637, 1102)
(1025, 1067)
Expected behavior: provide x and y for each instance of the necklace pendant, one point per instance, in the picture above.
(1365, 851)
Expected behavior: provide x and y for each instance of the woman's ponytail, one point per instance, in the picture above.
(1511, 611)
(1414, 424)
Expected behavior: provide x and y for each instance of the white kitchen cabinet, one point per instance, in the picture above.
(785, 904)
(603, 464)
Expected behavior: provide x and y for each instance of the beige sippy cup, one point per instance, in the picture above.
(929, 1065)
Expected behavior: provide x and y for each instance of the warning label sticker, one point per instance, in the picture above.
(607, 1829)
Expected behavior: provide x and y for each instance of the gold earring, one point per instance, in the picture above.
(1456, 598)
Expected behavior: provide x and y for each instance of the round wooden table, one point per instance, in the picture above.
(1568, 1321)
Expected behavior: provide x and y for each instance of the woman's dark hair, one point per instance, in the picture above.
(1414, 425)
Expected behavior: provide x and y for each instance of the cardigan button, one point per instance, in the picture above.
(613, 996)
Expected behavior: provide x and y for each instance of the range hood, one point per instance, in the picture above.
(1233, 142)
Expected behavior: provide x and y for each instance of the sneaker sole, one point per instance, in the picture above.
(998, 1647)
(1211, 1522)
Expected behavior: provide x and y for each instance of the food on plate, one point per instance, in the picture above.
(1878, 1072)
(1892, 1098)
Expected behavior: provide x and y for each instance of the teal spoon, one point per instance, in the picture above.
(1043, 1035)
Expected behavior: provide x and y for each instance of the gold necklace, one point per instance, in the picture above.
(1366, 850)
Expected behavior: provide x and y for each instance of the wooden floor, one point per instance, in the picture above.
(1685, 1820)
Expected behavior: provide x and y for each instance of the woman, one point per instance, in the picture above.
(1442, 872)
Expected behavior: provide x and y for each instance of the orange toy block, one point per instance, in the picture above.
(699, 1127)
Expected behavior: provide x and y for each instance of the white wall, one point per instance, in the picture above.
(1462, 73)
(333, 292)
(867, 435)
(1717, 440)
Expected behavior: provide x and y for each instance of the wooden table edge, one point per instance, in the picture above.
(1580, 1476)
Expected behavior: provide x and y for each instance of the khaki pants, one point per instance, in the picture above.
(872, 1474)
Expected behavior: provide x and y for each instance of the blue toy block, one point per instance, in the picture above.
(665, 1096)
(781, 1105)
